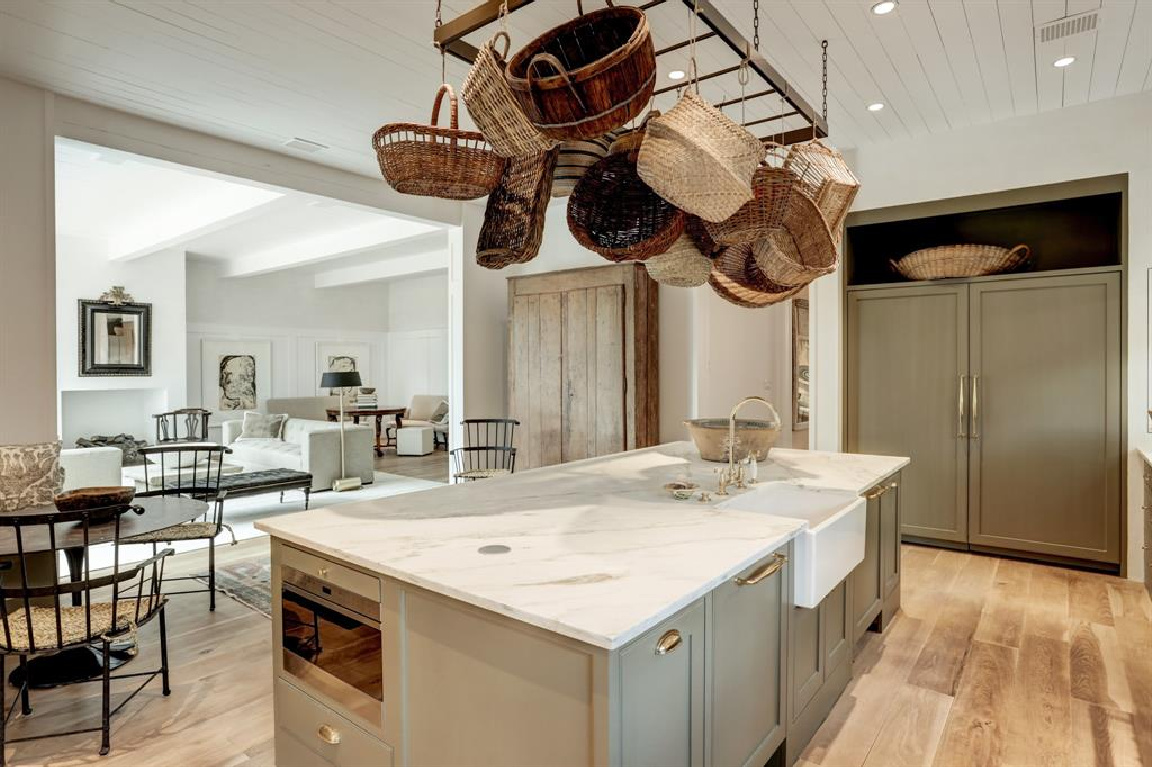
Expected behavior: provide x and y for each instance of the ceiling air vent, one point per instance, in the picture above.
(1068, 26)
(304, 145)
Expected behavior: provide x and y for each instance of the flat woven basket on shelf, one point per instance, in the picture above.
(514, 217)
(495, 110)
(681, 266)
(800, 249)
(576, 157)
(961, 261)
(433, 161)
(615, 214)
(736, 278)
(695, 157)
(772, 189)
(587, 76)
(827, 180)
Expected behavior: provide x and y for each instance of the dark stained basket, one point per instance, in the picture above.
(588, 76)
(615, 214)
(432, 161)
(738, 280)
(514, 218)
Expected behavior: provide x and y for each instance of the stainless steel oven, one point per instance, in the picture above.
(330, 642)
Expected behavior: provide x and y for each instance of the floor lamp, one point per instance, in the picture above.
(342, 381)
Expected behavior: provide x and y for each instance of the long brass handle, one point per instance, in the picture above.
(961, 431)
(328, 734)
(766, 571)
(881, 490)
(669, 642)
(975, 407)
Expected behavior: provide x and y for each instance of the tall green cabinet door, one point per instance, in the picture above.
(907, 365)
(747, 636)
(661, 678)
(1046, 422)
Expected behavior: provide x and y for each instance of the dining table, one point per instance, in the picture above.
(155, 513)
(379, 414)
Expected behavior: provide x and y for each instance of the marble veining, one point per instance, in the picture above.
(598, 550)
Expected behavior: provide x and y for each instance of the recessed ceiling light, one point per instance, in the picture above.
(887, 6)
(676, 74)
(304, 145)
(875, 107)
(1063, 61)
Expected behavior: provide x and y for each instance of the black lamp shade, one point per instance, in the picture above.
(340, 380)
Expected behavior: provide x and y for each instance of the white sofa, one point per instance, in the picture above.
(420, 412)
(306, 445)
(91, 466)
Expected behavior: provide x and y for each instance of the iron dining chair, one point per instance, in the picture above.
(479, 462)
(489, 432)
(191, 470)
(34, 619)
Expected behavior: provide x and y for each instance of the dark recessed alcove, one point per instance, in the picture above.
(1069, 233)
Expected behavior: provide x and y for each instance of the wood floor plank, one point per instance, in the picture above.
(913, 728)
(941, 661)
(1107, 737)
(976, 732)
(1136, 647)
(1002, 620)
(1047, 613)
(1039, 724)
(1097, 667)
(1089, 599)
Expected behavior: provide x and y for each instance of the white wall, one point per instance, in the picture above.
(83, 272)
(27, 266)
(1102, 139)
(417, 357)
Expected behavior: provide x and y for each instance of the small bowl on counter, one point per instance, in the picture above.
(682, 491)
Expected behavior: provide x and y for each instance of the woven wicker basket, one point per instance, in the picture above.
(437, 162)
(587, 76)
(961, 261)
(827, 180)
(495, 110)
(613, 213)
(800, 249)
(514, 217)
(576, 157)
(699, 160)
(736, 278)
(681, 266)
(773, 189)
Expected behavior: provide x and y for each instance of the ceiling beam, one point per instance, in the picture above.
(385, 269)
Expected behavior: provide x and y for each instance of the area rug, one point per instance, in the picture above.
(248, 582)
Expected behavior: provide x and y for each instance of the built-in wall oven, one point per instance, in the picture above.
(330, 641)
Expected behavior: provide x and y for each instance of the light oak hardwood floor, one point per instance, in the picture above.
(991, 662)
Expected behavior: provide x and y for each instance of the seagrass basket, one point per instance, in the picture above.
(615, 214)
(773, 189)
(698, 159)
(800, 248)
(433, 161)
(575, 158)
(514, 216)
(681, 266)
(827, 180)
(962, 261)
(495, 110)
(587, 76)
(736, 278)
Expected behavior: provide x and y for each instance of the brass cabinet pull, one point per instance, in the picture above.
(975, 407)
(669, 642)
(322, 572)
(961, 431)
(328, 734)
(879, 491)
(767, 570)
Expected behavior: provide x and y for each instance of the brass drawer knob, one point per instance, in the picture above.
(669, 642)
(766, 571)
(328, 734)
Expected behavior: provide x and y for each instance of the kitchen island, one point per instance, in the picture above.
(576, 614)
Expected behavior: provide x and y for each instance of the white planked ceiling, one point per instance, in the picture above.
(332, 71)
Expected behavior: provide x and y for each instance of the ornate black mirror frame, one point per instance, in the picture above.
(90, 313)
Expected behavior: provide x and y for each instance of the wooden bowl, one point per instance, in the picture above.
(112, 496)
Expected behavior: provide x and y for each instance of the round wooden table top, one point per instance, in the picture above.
(160, 511)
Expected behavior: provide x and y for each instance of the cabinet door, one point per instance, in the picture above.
(835, 620)
(890, 538)
(535, 377)
(593, 373)
(662, 694)
(806, 655)
(1147, 510)
(907, 359)
(747, 638)
(1045, 468)
(866, 590)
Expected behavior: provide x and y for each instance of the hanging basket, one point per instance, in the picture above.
(613, 213)
(695, 229)
(800, 248)
(494, 109)
(773, 188)
(827, 180)
(437, 162)
(514, 217)
(681, 266)
(736, 278)
(699, 160)
(586, 77)
(962, 261)
(576, 157)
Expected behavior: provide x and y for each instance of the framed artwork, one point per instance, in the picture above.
(801, 372)
(115, 338)
(235, 374)
(340, 357)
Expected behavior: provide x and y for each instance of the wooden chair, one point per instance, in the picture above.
(195, 472)
(34, 620)
(489, 432)
(478, 462)
(194, 420)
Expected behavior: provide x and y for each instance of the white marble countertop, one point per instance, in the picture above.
(1145, 455)
(599, 551)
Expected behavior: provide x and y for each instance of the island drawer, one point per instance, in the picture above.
(340, 575)
(303, 722)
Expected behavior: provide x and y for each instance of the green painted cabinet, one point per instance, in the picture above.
(874, 585)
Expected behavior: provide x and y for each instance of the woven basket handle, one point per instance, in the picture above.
(554, 62)
(507, 44)
(1020, 249)
(446, 88)
(580, 5)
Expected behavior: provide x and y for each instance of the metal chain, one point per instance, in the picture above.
(824, 82)
(443, 54)
(756, 24)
